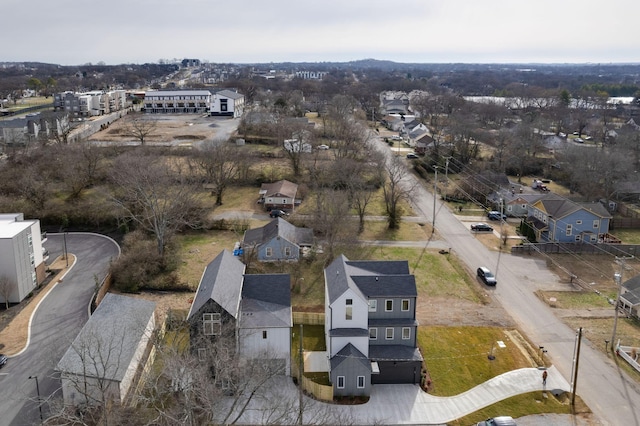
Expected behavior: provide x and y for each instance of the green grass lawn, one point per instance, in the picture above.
(457, 360)
(577, 299)
(628, 236)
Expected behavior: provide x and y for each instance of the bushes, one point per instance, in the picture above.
(141, 267)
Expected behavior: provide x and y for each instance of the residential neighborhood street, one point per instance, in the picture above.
(55, 324)
(612, 395)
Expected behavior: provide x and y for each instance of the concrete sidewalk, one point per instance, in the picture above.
(408, 404)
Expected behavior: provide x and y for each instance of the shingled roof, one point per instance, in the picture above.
(266, 301)
(222, 283)
(279, 228)
(279, 188)
(369, 278)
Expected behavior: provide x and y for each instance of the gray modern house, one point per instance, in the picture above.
(370, 325)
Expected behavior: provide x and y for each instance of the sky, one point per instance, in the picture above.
(74, 32)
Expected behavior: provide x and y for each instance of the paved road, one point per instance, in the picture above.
(612, 395)
(55, 324)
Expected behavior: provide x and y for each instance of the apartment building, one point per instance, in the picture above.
(21, 256)
(88, 104)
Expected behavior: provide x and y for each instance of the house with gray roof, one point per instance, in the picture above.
(110, 351)
(227, 103)
(370, 325)
(252, 311)
(557, 219)
(276, 241)
(630, 297)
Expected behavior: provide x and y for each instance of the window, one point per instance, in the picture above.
(569, 230)
(202, 354)
(361, 382)
(596, 224)
(388, 305)
(405, 304)
(578, 238)
(211, 324)
(268, 252)
(406, 333)
(373, 333)
(340, 384)
(578, 222)
(373, 305)
(287, 251)
(264, 334)
(349, 309)
(389, 333)
(593, 238)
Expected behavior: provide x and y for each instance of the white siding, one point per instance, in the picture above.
(360, 317)
(277, 345)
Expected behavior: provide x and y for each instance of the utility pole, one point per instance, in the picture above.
(575, 370)
(435, 196)
(618, 279)
(301, 368)
(446, 171)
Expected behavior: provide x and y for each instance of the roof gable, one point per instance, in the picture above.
(222, 283)
(279, 228)
(284, 187)
(266, 301)
(349, 352)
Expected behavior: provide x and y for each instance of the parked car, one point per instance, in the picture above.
(579, 140)
(412, 156)
(498, 421)
(486, 276)
(496, 215)
(278, 213)
(323, 147)
(3, 360)
(481, 227)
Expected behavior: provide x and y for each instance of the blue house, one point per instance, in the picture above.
(278, 240)
(557, 219)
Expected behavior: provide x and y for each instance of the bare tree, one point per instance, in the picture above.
(6, 288)
(220, 163)
(157, 196)
(78, 167)
(395, 190)
(330, 218)
(61, 128)
(140, 127)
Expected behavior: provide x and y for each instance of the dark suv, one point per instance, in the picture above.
(278, 213)
(481, 227)
(3, 360)
(486, 276)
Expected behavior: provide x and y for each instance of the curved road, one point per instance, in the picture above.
(55, 324)
(611, 394)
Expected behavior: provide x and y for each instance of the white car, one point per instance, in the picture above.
(323, 147)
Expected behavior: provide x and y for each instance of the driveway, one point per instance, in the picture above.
(55, 324)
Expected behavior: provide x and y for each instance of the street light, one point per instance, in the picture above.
(39, 402)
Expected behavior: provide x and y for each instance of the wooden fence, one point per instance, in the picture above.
(319, 391)
(308, 318)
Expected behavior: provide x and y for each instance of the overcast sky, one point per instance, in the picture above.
(244, 31)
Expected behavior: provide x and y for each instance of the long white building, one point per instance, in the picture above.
(21, 256)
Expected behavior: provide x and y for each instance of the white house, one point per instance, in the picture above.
(21, 256)
(102, 362)
(227, 103)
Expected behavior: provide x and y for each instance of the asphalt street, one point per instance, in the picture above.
(55, 324)
(613, 396)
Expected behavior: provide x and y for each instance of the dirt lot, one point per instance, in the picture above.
(181, 130)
